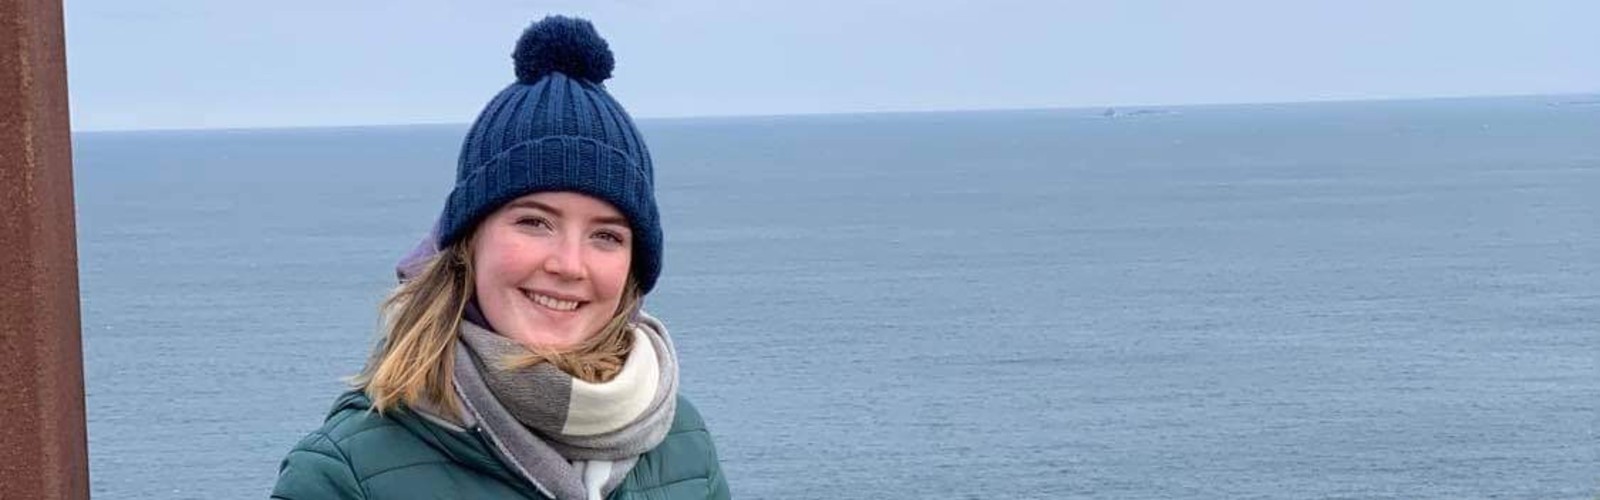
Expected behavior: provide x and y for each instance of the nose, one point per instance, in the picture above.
(565, 259)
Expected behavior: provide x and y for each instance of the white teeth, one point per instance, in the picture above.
(554, 303)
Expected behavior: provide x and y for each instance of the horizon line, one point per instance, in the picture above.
(803, 114)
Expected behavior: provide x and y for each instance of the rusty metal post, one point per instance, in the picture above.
(43, 446)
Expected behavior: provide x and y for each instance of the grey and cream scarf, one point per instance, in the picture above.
(574, 440)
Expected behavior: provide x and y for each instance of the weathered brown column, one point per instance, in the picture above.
(43, 450)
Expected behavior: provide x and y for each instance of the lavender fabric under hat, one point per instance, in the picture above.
(557, 129)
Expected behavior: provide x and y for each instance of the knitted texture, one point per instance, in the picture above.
(557, 129)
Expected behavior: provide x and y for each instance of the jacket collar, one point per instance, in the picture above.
(468, 447)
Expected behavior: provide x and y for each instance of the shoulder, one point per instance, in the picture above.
(687, 418)
(319, 466)
(688, 440)
(684, 465)
(353, 446)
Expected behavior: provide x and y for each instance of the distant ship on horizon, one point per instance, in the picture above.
(1111, 112)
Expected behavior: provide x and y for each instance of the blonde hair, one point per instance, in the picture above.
(414, 359)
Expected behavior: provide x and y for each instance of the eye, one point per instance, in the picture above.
(610, 237)
(534, 222)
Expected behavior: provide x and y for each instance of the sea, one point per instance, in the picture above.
(1383, 299)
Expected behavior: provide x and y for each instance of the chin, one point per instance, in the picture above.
(546, 338)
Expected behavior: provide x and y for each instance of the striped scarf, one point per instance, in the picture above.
(572, 439)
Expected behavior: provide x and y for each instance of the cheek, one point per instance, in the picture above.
(493, 265)
(497, 263)
(611, 275)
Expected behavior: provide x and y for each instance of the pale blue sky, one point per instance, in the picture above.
(206, 63)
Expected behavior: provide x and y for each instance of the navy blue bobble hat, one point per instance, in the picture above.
(557, 129)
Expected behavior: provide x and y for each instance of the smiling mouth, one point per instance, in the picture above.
(553, 303)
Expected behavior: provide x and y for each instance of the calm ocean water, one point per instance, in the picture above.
(1352, 300)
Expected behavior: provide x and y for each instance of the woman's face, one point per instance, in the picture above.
(550, 268)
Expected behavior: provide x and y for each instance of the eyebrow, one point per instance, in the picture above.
(620, 221)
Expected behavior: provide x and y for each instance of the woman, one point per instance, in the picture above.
(516, 362)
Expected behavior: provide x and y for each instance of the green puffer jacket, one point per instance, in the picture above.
(358, 454)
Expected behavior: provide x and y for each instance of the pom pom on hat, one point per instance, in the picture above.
(562, 44)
